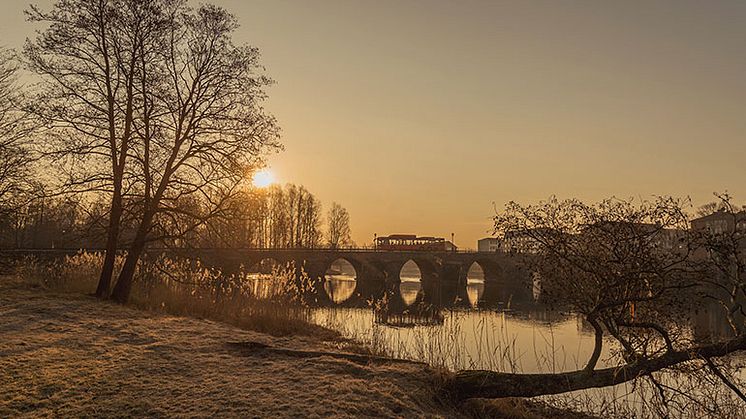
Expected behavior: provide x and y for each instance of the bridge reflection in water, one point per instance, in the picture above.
(340, 281)
(415, 299)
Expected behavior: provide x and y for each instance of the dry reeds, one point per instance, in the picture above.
(273, 303)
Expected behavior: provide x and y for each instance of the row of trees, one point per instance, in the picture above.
(277, 217)
(142, 125)
(288, 217)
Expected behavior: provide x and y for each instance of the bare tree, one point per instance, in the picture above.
(713, 207)
(15, 129)
(707, 209)
(338, 227)
(280, 216)
(202, 126)
(285, 216)
(303, 218)
(723, 243)
(634, 272)
(88, 57)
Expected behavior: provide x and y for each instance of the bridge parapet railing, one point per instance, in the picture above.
(41, 251)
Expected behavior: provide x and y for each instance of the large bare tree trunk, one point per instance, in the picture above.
(112, 240)
(123, 288)
(490, 384)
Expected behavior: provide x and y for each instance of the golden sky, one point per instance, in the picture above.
(417, 115)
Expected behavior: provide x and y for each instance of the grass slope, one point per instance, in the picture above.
(66, 355)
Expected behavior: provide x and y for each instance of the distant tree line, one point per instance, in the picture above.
(276, 217)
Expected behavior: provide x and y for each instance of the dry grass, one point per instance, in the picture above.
(67, 355)
(273, 305)
(514, 408)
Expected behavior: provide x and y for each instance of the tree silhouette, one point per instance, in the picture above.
(87, 58)
(201, 128)
(634, 272)
(15, 128)
(338, 226)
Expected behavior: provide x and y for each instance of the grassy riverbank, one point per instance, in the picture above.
(71, 355)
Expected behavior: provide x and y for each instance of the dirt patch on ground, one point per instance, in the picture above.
(65, 355)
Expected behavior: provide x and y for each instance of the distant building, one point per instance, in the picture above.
(725, 224)
(450, 247)
(512, 241)
(488, 244)
(721, 222)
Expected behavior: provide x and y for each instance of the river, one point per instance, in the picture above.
(479, 328)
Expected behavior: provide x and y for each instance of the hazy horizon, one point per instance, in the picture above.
(416, 116)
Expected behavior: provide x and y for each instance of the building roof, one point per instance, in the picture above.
(720, 214)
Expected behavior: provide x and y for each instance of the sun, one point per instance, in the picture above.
(263, 178)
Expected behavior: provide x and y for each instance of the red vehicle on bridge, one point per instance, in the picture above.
(410, 242)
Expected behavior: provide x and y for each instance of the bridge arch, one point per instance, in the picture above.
(340, 280)
(485, 269)
(428, 269)
(410, 272)
(503, 282)
(475, 273)
(344, 264)
(394, 269)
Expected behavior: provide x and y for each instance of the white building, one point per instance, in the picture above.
(488, 244)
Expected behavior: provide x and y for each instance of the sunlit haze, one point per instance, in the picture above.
(263, 178)
(416, 116)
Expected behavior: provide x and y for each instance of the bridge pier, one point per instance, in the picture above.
(391, 270)
(454, 272)
(443, 293)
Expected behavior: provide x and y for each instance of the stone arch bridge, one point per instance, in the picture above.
(502, 271)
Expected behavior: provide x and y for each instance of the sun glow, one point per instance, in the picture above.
(263, 178)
